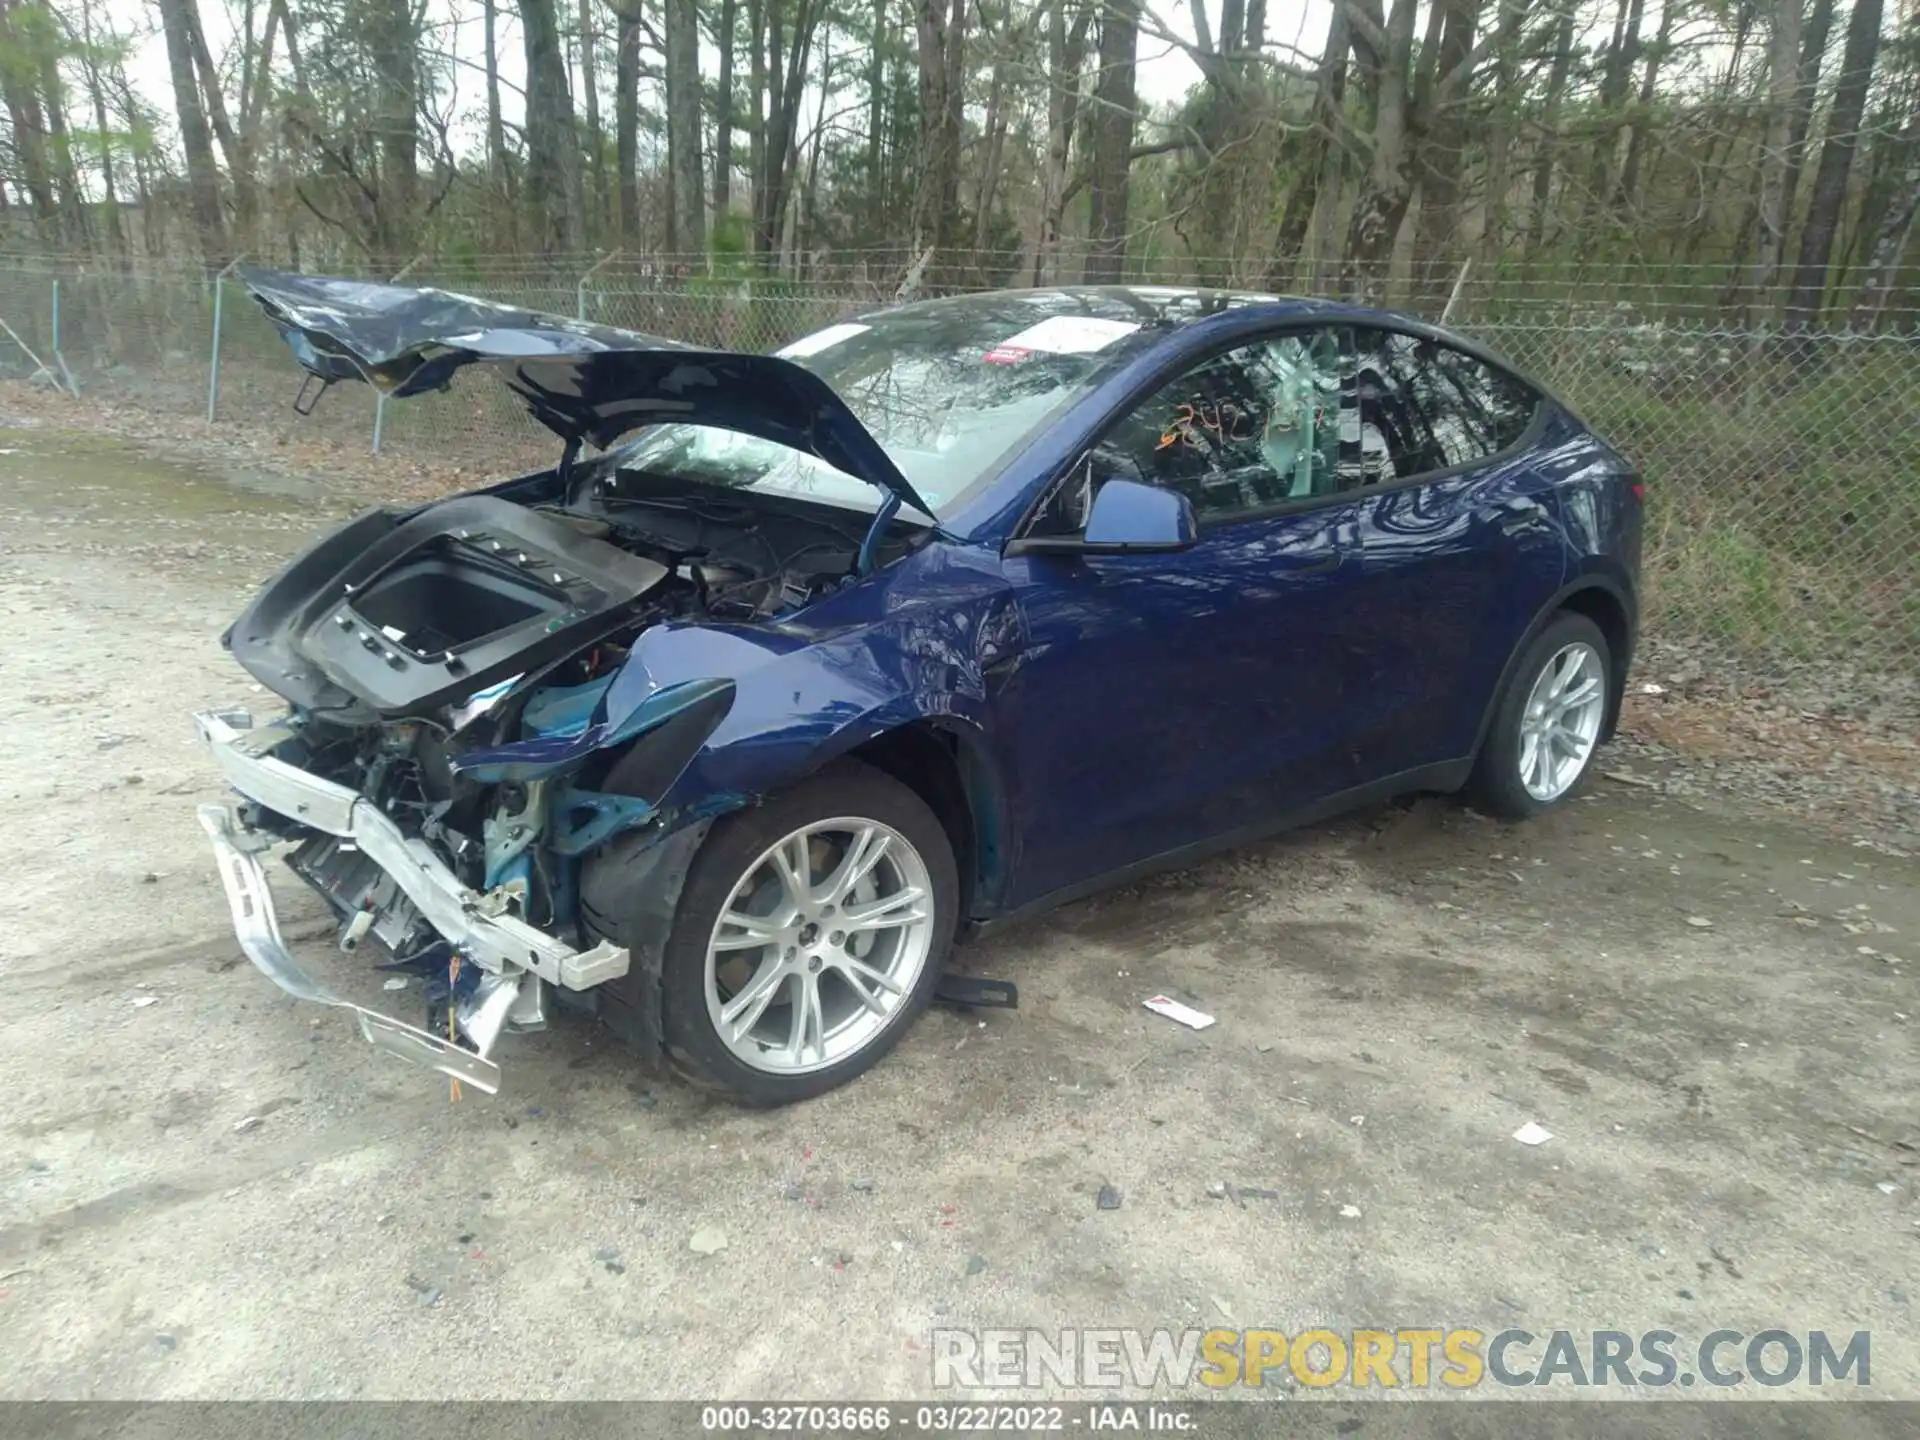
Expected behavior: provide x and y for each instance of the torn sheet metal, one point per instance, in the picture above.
(584, 382)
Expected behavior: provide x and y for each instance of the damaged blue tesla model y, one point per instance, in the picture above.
(796, 668)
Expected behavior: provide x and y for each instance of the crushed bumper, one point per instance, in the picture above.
(516, 957)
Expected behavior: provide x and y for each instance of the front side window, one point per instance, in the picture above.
(1251, 428)
(1423, 406)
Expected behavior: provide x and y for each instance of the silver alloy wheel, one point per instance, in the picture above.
(1561, 723)
(819, 945)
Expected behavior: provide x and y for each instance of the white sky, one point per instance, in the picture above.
(1165, 72)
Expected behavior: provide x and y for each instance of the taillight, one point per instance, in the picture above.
(1639, 489)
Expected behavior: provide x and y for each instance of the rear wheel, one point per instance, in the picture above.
(810, 935)
(1547, 726)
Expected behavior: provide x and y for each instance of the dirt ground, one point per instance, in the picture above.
(210, 1190)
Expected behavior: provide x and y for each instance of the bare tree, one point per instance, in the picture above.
(1067, 22)
(626, 119)
(1383, 51)
(723, 119)
(553, 144)
(499, 175)
(941, 29)
(1782, 80)
(1110, 175)
(178, 21)
(686, 209)
(594, 136)
(1836, 164)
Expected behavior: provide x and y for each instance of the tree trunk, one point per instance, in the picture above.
(786, 80)
(940, 27)
(66, 178)
(1889, 249)
(876, 217)
(993, 142)
(1626, 194)
(1549, 148)
(499, 177)
(1782, 81)
(757, 125)
(1322, 158)
(1112, 161)
(553, 146)
(1615, 76)
(1443, 139)
(246, 205)
(723, 115)
(1836, 164)
(626, 120)
(257, 85)
(29, 124)
(1066, 54)
(1382, 204)
(686, 209)
(1813, 50)
(393, 43)
(1498, 131)
(178, 21)
(97, 94)
(596, 138)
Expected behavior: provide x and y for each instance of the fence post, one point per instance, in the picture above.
(58, 358)
(580, 290)
(213, 359)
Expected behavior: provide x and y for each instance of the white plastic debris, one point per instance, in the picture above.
(1699, 922)
(145, 1000)
(252, 1122)
(1349, 1212)
(1185, 1014)
(1887, 1187)
(397, 982)
(708, 1240)
(1651, 688)
(1533, 1133)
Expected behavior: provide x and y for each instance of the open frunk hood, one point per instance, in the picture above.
(591, 383)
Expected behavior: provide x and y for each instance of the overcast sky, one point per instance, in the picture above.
(1165, 72)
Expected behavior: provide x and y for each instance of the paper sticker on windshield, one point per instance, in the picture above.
(820, 340)
(1071, 334)
(1006, 355)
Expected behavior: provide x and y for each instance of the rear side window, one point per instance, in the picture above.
(1423, 406)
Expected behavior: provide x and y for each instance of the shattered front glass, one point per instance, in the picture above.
(1251, 428)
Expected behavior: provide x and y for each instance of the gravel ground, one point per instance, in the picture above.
(1697, 977)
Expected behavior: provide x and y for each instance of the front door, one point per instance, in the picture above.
(1165, 700)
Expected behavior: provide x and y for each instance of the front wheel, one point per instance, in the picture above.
(1548, 721)
(810, 935)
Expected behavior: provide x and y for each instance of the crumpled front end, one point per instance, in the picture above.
(395, 886)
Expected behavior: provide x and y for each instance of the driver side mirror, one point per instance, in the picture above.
(1127, 517)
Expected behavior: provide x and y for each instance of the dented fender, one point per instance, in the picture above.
(849, 668)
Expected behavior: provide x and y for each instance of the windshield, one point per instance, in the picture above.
(950, 389)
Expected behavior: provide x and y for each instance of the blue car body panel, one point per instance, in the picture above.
(1110, 711)
(1125, 708)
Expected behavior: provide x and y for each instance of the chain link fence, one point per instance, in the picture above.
(1783, 471)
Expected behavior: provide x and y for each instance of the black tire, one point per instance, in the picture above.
(1496, 786)
(692, 1044)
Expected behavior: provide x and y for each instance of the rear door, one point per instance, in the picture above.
(1459, 535)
